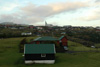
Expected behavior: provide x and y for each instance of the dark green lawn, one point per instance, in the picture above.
(10, 57)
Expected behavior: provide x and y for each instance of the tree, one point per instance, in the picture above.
(21, 45)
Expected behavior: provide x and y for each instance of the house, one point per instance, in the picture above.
(62, 28)
(64, 42)
(21, 27)
(40, 28)
(45, 40)
(28, 33)
(13, 27)
(39, 53)
(31, 27)
(63, 33)
(61, 42)
(98, 27)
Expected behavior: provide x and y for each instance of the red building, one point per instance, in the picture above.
(63, 40)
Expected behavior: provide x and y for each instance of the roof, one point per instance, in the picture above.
(39, 49)
(46, 38)
(61, 37)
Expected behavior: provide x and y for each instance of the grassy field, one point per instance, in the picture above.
(10, 56)
(97, 45)
(79, 47)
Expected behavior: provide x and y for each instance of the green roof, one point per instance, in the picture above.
(61, 37)
(39, 48)
(46, 38)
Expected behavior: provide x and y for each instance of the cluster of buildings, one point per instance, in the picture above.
(50, 26)
(43, 49)
(49, 29)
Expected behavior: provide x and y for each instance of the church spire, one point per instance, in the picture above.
(46, 23)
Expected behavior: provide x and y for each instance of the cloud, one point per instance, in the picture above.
(9, 8)
(91, 18)
(91, 15)
(32, 13)
(52, 8)
(16, 18)
(97, 0)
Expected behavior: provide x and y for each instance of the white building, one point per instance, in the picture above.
(29, 33)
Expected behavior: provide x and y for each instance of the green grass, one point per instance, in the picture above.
(97, 45)
(10, 56)
(79, 47)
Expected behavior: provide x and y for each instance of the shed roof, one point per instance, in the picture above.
(39, 49)
(46, 38)
(61, 37)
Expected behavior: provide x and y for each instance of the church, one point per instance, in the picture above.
(48, 25)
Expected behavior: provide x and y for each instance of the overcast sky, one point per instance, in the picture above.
(56, 12)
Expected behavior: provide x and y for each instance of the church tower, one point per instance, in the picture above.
(46, 23)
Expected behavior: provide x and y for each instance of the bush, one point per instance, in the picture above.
(21, 45)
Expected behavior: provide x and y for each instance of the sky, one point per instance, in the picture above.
(56, 12)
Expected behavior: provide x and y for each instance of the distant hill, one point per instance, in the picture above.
(7, 23)
(11, 23)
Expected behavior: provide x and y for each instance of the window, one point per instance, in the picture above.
(43, 55)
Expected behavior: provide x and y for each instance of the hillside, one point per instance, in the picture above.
(79, 47)
(10, 57)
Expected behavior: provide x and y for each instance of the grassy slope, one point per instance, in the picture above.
(79, 47)
(97, 45)
(9, 56)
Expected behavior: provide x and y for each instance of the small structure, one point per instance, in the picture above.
(62, 28)
(63, 33)
(39, 53)
(45, 40)
(28, 33)
(61, 42)
(64, 42)
(31, 27)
